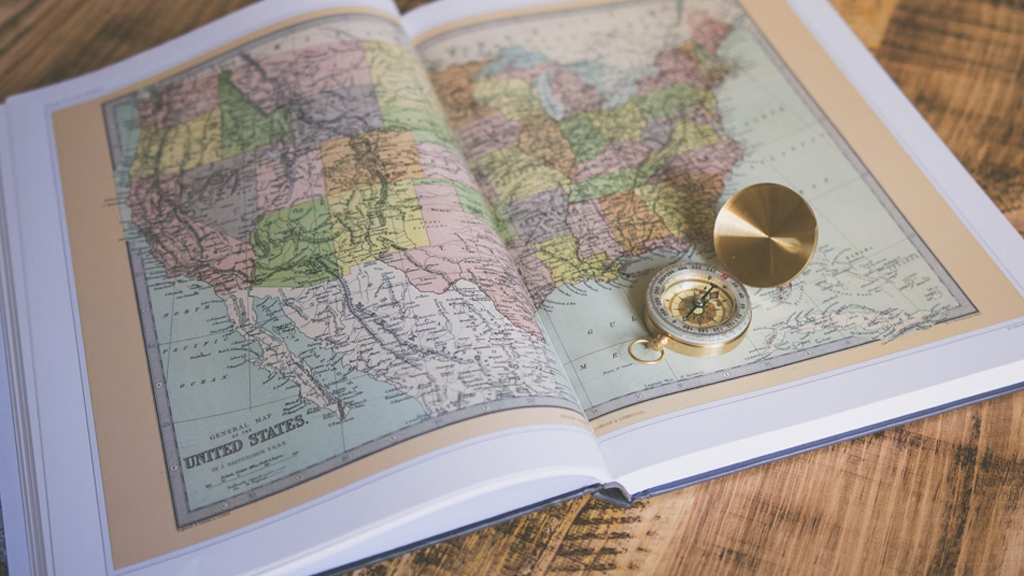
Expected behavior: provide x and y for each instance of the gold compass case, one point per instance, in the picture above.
(766, 235)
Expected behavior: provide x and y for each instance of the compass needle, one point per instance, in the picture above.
(697, 310)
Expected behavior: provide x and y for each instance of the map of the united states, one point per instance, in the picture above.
(606, 137)
(318, 260)
(337, 248)
(578, 182)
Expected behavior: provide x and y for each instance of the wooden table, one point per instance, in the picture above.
(941, 496)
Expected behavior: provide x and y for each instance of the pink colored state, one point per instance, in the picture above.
(185, 247)
(537, 276)
(586, 220)
(443, 216)
(617, 156)
(674, 67)
(285, 178)
(441, 162)
(463, 249)
(718, 158)
(281, 78)
(179, 102)
(707, 31)
(574, 94)
(486, 135)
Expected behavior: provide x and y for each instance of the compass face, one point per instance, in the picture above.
(698, 306)
(699, 300)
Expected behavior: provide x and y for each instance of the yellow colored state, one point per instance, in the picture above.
(515, 174)
(177, 148)
(368, 223)
(399, 79)
(624, 123)
(561, 256)
(512, 96)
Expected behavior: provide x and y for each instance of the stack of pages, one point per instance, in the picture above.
(319, 283)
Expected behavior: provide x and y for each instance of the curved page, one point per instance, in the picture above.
(281, 249)
(606, 135)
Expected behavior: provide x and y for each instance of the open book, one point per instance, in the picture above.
(318, 283)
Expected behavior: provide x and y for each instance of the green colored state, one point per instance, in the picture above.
(504, 226)
(672, 99)
(475, 204)
(584, 137)
(425, 126)
(681, 212)
(687, 136)
(320, 240)
(514, 174)
(243, 126)
(295, 246)
(604, 185)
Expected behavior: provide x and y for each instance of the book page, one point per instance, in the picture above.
(3, 546)
(607, 135)
(285, 270)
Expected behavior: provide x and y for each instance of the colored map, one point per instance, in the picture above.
(336, 248)
(318, 275)
(606, 138)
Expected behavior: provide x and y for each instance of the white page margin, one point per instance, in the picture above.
(12, 520)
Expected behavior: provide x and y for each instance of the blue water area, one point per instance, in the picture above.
(208, 366)
(515, 57)
(616, 86)
(375, 409)
(542, 85)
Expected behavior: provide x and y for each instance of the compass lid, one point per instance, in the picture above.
(765, 235)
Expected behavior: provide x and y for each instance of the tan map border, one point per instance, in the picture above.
(139, 512)
(921, 204)
(140, 515)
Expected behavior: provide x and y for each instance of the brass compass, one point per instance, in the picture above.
(765, 236)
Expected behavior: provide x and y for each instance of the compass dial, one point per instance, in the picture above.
(700, 301)
(697, 310)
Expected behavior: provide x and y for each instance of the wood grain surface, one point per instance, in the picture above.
(940, 496)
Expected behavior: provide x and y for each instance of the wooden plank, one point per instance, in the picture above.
(962, 64)
(939, 496)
